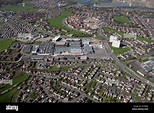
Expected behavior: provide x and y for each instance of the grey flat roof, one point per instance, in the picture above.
(60, 49)
(71, 49)
(87, 48)
(27, 48)
(46, 48)
(75, 49)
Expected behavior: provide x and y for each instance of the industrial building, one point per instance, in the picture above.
(34, 49)
(114, 39)
(75, 50)
(57, 38)
(61, 50)
(70, 50)
(149, 66)
(116, 43)
(64, 46)
(88, 49)
(46, 49)
(27, 36)
(85, 41)
(43, 49)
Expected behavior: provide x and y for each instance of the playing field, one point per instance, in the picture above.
(5, 44)
(121, 19)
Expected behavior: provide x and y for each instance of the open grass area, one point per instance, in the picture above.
(145, 60)
(112, 31)
(14, 96)
(101, 37)
(10, 95)
(58, 23)
(18, 78)
(1, 23)
(18, 9)
(144, 39)
(54, 68)
(33, 95)
(121, 19)
(5, 44)
(118, 51)
(7, 96)
(65, 68)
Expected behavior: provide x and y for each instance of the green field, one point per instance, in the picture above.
(11, 95)
(54, 68)
(101, 37)
(144, 39)
(7, 96)
(14, 96)
(145, 60)
(33, 95)
(17, 79)
(18, 9)
(118, 51)
(5, 44)
(121, 19)
(1, 23)
(57, 22)
(112, 31)
(65, 68)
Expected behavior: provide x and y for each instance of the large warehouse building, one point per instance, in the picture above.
(115, 41)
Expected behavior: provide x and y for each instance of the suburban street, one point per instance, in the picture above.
(124, 67)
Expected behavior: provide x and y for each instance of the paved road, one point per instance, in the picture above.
(124, 67)
(82, 94)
